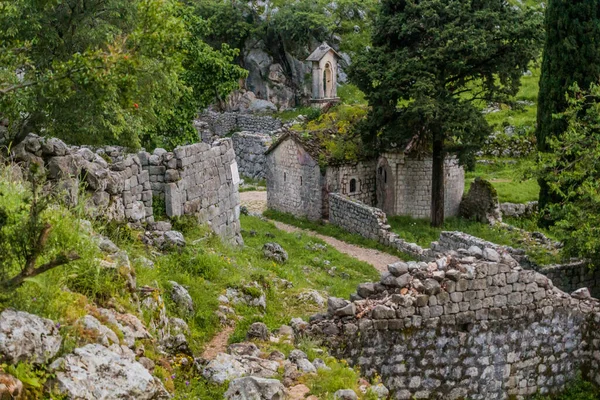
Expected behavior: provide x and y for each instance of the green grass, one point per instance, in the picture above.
(420, 231)
(511, 178)
(350, 94)
(576, 390)
(290, 115)
(334, 231)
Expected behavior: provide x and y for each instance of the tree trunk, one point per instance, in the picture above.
(437, 181)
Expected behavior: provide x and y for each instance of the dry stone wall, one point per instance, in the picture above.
(338, 179)
(465, 327)
(120, 188)
(371, 222)
(212, 125)
(200, 180)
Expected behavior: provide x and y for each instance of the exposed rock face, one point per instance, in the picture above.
(275, 252)
(96, 373)
(27, 338)
(481, 203)
(103, 335)
(259, 331)
(253, 388)
(182, 298)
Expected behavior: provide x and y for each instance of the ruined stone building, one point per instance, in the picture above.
(300, 179)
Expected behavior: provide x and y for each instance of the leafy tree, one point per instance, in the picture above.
(433, 64)
(571, 169)
(103, 71)
(571, 54)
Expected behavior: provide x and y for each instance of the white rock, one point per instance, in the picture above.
(253, 388)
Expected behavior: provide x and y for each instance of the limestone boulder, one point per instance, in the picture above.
(258, 331)
(10, 387)
(101, 333)
(96, 373)
(181, 297)
(273, 251)
(253, 388)
(224, 367)
(26, 337)
(345, 394)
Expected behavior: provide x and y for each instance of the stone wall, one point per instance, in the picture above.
(212, 125)
(371, 223)
(294, 181)
(200, 180)
(411, 184)
(250, 153)
(516, 210)
(119, 187)
(338, 179)
(462, 327)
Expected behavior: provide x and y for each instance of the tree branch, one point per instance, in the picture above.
(18, 280)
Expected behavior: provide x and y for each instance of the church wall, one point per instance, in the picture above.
(294, 181)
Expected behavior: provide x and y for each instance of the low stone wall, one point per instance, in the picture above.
(371, 222)
(200, 180)
(251, 155)
(464, 328)
(516, 210)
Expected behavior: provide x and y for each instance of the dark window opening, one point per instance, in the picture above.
(300, 181)
(284, 176)
(352, 185)
(385, 176)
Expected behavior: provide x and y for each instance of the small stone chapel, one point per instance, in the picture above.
(324, 74)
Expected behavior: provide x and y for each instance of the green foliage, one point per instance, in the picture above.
(350, 94)
(572, 172)
(137, 66)
(576, 390)
(327, 382)
(571, 54)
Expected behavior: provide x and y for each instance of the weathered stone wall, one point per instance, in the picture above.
(464, 328)
(294, 181)
(516, 210)
(200, 180)
(197, 180)
(212, 125)
(338, 180)
(250, 153)
(411, 183)
(120, 189)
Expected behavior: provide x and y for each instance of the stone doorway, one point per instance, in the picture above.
(386, 190)
(327, 81)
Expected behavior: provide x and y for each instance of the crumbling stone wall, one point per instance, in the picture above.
(200, 180)
(251, 153)
(120, 189)
(294, 181)
(462, 327)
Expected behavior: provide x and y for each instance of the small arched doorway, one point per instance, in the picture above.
(327, 81)
(386, 190)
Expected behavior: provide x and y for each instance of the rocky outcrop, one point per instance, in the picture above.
(481, 203)
(274, 251)
(96, 373)
(28, 338)
(253, 388)
(226, 367)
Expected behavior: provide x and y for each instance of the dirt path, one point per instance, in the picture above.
(218, 344)
(257, 202)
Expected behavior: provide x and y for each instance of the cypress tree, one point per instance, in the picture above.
(571, 54)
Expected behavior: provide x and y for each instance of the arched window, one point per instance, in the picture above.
(352, 185)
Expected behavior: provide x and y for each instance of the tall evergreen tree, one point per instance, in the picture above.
(433, 64)
(571, 54)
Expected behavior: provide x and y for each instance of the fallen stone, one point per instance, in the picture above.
(244, 349)
(222, 368)
(334, 304)
(26, 337)
(182, 298)
(320, 364)
(253, 388)
(582, 294)
(95, 372)
(491, 255)
(345, 394)
(258, 331)
(275, 252)
(10, 387)
(173, 239)
(398, 268)
(298, 392)
(305, 366)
